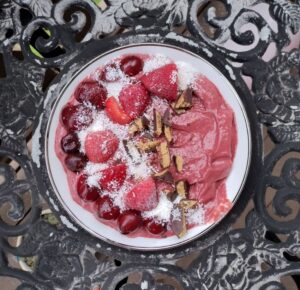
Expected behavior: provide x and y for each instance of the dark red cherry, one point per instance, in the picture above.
(129, 221)
(106, 209)
(76, 117)
(110, 73)
(131, 65)
(86, 192)
(154, 227)
(75, 162)
(70, 143)
(91, 92)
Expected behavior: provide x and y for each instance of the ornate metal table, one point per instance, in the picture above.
(250, 41)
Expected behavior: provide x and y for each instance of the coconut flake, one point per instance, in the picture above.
(186, 74)
(158, 60)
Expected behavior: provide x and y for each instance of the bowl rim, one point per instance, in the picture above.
(119, 244)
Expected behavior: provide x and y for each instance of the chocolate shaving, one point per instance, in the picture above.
(166, 118)
(178, 226)
(178, 160)
(164, 175)
(158, 126)
(129, 148)
(165, 159)
(182, 188)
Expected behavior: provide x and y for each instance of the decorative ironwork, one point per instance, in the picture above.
(40, 39)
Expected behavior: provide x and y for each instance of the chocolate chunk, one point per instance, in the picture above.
(164, 175)
(178, 160)
(138, 125)
(188, 203)
(178, 224)
(182, 188)
(149, 145)
(158, 126)
(165, 159)
(185, 100)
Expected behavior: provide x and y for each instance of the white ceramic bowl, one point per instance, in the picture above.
(234, 182)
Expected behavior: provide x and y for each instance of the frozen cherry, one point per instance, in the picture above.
(76, 117)
(154, 227)
(131, 65)
(110, 73)
(91, 92)
(106, 209)
(129, 221)
(75, 162)
(70, 143)
(86, 192)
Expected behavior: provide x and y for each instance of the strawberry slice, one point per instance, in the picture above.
(134, 99)
(143, 196)
(162, 82)
(101, 145)
(116, 113)
(112, 178)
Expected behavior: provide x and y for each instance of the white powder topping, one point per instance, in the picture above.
(114, 89)
(163, 210)
(186, 74)
(174, 77)
(158, 60)
(195, 216)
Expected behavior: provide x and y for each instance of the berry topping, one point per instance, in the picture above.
(143, 196)
(154, 227)
(70, 143)
(76, 117)
(129, 221)
(100, 146)
(113, 177)
(110, 73)
(75, 162)
(162, 82)
(86, 192)
(91, 92)
(106, 209)
(131, 65)
(116, 113)
(134, 99)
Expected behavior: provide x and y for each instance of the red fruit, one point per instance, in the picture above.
(70, 143)
(143, 196)
(75, 162)
(101, 145)
(86, 192)
(134, 99)
(110, 73)
(129, 221)
(131, 65)
(113, 177)
(91, 92)
(115, 112)
(162, 82)
(154, 227)
(106, 209)
(76, 117)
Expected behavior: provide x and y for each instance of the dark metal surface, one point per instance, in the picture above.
(67, 33)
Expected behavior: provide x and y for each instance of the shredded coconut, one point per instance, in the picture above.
(155, 62)
(186, 74)
(163, 210)
(195, 216)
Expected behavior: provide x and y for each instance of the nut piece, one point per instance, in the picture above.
(188, 203)
(157, 123)
(178, 226)
(185, 100)
(149, 145)
(168, 133)
(164, 175)
(165, 159)
(182, 188)
(178, 160)
(138, 125)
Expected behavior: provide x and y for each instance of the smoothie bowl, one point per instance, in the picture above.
(148, 146)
